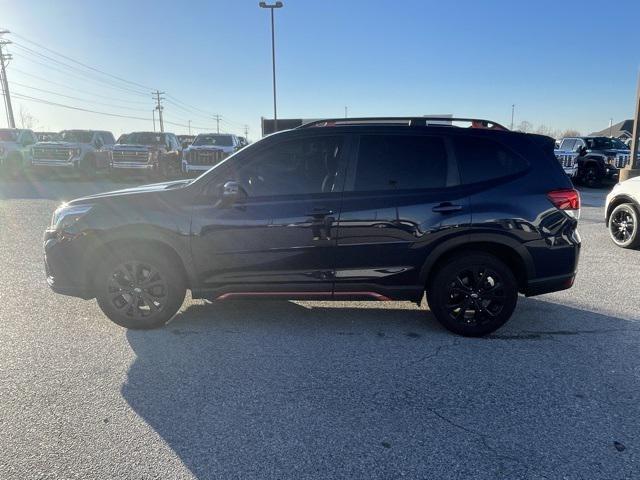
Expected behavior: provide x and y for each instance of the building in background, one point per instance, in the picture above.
(622, 131)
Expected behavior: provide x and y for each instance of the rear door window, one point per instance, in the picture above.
(481, 159)
(401, 162)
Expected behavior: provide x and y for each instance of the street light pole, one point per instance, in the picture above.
(273, 58)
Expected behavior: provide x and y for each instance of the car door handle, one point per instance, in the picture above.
(446, 207)
(319, 213)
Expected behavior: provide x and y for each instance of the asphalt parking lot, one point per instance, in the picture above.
(311, 389)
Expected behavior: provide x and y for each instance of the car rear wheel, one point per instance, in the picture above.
(473, 295)
(139, 290)
(623, 226)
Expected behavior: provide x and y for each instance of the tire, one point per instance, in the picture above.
(473, 295)
(591, 177)
(623, 226)
(139, 290)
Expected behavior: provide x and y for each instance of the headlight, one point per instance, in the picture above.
(67, 215)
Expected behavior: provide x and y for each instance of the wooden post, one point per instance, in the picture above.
(633, 167)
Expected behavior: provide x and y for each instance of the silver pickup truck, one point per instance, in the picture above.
(84, 150)
(15, 149)
(209, 149)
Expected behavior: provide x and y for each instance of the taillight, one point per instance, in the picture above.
(567, 199)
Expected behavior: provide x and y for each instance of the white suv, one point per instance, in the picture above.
(15, 149)
(623, 212)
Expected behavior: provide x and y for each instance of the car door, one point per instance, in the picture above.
(280, 237)
(402, 197)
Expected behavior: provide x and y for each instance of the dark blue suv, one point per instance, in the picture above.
(380, 209)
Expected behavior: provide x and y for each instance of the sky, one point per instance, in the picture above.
(564, 64)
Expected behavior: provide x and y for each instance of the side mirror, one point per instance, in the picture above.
(577, 148)
(232, 192)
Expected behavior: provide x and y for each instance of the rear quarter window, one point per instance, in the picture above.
(481, 159)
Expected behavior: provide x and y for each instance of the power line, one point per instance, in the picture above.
(139, 102)
(83, 64)
(79, 74)
(71, 107)
(78, 98)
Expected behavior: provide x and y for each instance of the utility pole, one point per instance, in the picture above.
(246, 132)
(632, 170)
(217, 119)
(5, 84)
(346, 111)
(158, 95)
(272, 7)
(610, 127)
(513, 110)
(189, 123)
(153, 113)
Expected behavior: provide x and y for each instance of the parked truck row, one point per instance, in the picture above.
(91, 151)
(592, 160)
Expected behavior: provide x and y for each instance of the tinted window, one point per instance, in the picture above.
(400, 162)
(302, 166)
(482, 159)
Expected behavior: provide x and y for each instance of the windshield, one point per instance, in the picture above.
(604, 143)
(141, 138)
(8, 135)
(75, 136)
(218, 140)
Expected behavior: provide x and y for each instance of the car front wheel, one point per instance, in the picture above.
(473, 295)
(623, 226)
(139, 290)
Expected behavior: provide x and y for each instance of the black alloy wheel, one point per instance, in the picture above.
(141, 291)
(473, 295)
(623, 226)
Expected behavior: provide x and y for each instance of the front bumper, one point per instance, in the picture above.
(61, 265)
(186, 167)
(611, 173)
(131, 166)
(54, 163)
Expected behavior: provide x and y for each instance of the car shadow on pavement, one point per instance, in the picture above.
(284, 390)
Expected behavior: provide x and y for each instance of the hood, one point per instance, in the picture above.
(155, 187)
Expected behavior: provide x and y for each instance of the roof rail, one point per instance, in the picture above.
(403, 121)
